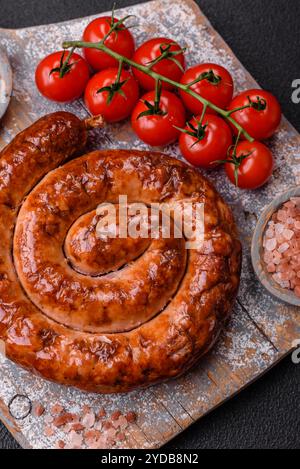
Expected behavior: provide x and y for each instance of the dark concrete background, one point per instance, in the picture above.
(265, 35)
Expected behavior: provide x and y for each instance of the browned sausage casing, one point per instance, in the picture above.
(105, 315)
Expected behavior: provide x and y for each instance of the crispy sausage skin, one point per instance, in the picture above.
(105, 315)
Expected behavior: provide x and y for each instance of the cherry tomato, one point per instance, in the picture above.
(68, 88)
(262, 119)
(150, 51)
(120, 41)
(122, 100)
(215, 138)
(255, 169)
(216, 86)
(159, 130)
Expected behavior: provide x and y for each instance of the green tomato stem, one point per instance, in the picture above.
(157, 76)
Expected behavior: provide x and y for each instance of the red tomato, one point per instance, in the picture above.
(68, 88)
(217, 87)
(122, 102)
(255, 169)
(159, 130)
(259, 123)
(150, 51)
(120, 41)
(214, 141)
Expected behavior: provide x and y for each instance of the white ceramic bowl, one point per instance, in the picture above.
(259, 266)
(5, 82)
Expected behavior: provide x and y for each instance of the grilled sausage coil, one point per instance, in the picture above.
(105, 315)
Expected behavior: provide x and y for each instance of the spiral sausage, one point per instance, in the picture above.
(105, 315)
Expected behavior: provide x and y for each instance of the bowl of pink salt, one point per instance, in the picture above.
(276, 247)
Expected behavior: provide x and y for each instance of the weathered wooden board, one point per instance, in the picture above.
(262, 329)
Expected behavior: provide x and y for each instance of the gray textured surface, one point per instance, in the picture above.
(289, 418)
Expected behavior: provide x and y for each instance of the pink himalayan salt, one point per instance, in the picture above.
(271, 268)
(283, 247)
(56, 409)
(76, 440)
(289, 204)
(38, 409)
(48, 431)
(270, 233)
(88, 420)
(282, 215)
(297, 291)
(283, 259)
(288, 234)
(279, 227)
(268, 257)
(60, 444)
(271, 244)
(276, 257)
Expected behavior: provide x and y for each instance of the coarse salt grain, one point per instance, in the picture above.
(283, 247)
(288, 234)
(88, 420)
(271, 244)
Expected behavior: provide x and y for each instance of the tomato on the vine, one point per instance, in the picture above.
(160, 128)
(261, 116)
(120, 41)
(171, 66)
(60, 80)
(215, 85)
(252, 165)
(202, 144)
(111, 98)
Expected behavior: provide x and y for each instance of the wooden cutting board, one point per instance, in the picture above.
(262, 329)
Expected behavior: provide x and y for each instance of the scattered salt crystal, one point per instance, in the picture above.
(101, 413)
(86, 409)
(297, 225)
(48, 419)
(98, 426)
(38, 409)
(76, 439)
(56, 409)
(60, 444)
(77, 427)
(88, 421)
(107, 425)
(120, 437)
(131, 417)
(48, 431)
(115, 415)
